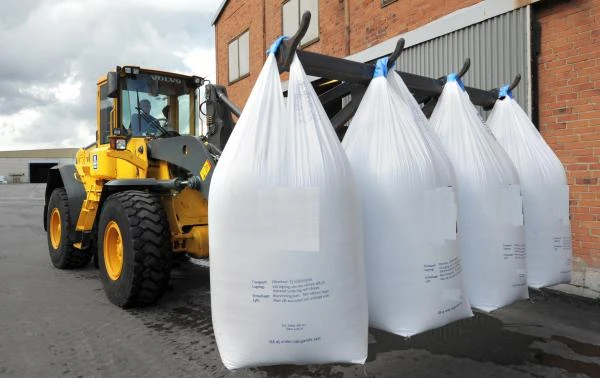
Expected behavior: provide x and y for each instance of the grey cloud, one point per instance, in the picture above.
(14, 12)
(13, 97)
(46, 42)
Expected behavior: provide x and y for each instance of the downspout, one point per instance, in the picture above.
(264, 26)
(536, 45)
(346, 28)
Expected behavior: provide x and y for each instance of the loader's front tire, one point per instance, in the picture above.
(134, 248)
(58, 220)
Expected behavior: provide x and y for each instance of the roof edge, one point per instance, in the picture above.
(219, 11)
(49, 153)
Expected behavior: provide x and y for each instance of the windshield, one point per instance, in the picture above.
(153, 104)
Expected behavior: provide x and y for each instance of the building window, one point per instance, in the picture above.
(386, 2)
(292, 11)
(239, 57)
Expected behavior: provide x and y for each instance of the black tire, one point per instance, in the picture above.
(65, 256)
(146, 248)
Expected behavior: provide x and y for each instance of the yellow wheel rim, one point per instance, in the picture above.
(113, 250)
(55, 228)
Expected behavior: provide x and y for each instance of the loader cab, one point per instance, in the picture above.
(141, 103)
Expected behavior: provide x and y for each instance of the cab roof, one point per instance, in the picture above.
(151, 71)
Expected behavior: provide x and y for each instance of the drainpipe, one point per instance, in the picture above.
(347, 27)
(536, 43)
(264, 26)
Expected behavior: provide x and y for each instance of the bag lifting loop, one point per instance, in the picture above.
(288, 46)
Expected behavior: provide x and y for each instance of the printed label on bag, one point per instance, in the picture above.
(295, 341)
(289, 291)
(521, 277)
(292, 328)
(450, 309)
(442, 271)
(514, 251)
(562, 246)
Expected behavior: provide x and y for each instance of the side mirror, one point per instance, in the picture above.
(113, 85)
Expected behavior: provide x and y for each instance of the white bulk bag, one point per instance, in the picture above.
(490, 217)
(406, 184)
(545, 193)
(286, 269)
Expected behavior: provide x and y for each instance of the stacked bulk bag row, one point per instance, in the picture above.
(490, 218)
(287, 269)
(545, 193)
(440, 207)
(407, 189)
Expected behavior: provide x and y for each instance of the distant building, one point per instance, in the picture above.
(31, 166)
(553, 44)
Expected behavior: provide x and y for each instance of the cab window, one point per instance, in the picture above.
(155, 104)
(105, 107)
(184, 113)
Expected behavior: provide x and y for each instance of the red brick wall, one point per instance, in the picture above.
(569, 102)
(237, 17)
(372, 24)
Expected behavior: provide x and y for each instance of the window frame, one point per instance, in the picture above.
(237, 38)
(311, 41)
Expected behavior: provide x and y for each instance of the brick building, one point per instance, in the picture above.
(553, 44)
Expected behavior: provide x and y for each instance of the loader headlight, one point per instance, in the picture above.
(131, 70)
(198, 81)
(119, 144)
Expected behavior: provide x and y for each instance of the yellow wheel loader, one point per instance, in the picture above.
(138, 194)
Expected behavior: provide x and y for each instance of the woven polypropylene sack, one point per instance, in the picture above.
(406, 184)
(286, 269)
(490, 216)
(545, 194)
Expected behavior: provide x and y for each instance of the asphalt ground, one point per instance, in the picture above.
(57, 323)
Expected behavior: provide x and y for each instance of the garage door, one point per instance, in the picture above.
(38, 172)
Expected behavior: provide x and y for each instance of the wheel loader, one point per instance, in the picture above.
(138, 195)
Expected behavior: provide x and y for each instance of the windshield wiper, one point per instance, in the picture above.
(153, 122)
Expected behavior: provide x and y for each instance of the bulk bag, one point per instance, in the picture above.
(545, 193)
(406, 183)
(490, 217)
(286, 270)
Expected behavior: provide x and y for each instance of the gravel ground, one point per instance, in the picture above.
(57, 323)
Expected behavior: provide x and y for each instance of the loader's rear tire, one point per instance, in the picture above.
(62, 253)
(134, 248)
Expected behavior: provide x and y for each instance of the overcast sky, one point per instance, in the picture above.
(54, 51)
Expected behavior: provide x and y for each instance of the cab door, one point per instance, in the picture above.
(102, 166)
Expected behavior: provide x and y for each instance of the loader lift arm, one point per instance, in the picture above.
(353, 77)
